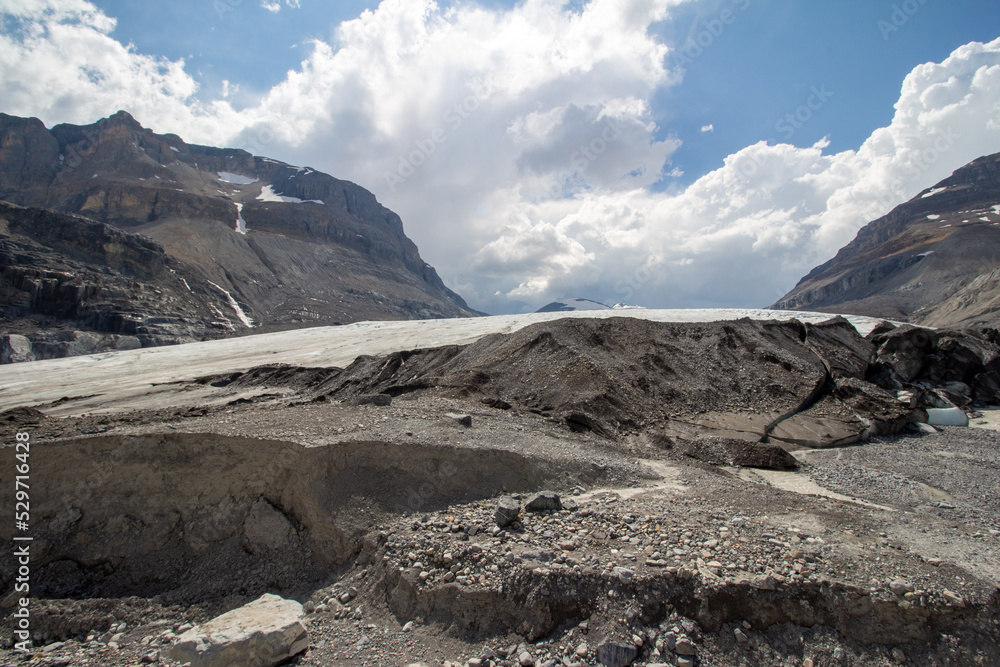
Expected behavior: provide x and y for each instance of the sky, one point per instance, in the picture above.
(662, 153)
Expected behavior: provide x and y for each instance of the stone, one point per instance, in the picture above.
(266, 529)
(542, 501)
(507, 511)
(616, 654)
(263, 633)
(463, 420)
(901, 587)
(685, 647)
(381, 400)
(741, 636)
(624, 574)
(953, 598)
(903, 350)
(525, 659)
(685, 661)
(582, 650)
(717, 450)
(15, 348)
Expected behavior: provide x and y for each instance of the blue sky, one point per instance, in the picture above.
(667, 153)
(760, 67)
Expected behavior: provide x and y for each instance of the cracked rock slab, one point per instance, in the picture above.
(263, 633)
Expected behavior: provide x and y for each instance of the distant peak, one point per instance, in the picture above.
(123, 118)
(572, 303)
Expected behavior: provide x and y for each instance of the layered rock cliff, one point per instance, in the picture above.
(932, 260)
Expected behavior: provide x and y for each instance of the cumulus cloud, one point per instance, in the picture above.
(58, 62)
(707, 128)
(519, 144)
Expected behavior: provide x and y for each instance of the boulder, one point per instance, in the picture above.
(266, 529)
(263, 633)
(884, 413)
(15, 349)
(542, 501)
(616, 653)
(733, 452)
(904, 349)
(507, 511)
(460, 419)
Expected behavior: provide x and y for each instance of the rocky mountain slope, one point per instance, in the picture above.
(281, 246)
(932, 260)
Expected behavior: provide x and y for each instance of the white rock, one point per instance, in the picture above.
(263, 633)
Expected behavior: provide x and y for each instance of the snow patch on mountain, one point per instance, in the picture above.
(267, 193)
(243, 317)
(241, 224)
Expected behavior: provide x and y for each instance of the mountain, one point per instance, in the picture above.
(571, 304)
(931, 261)
(260, 245)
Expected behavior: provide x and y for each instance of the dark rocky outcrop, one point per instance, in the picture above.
(71, 286)
(930, 261)
(941, 367)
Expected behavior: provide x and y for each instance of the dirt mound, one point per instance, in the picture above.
(613, 376)
(21, 416)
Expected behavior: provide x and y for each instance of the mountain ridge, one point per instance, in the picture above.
(928, 261)
(291, 246)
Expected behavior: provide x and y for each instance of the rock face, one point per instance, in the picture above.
(265, 244)
(71, 286)
(263, 633)
(930, 261)
(940, 368)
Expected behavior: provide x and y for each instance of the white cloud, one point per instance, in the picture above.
(275, 6)
(519, 148)
(62, 65)
(707, 128)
